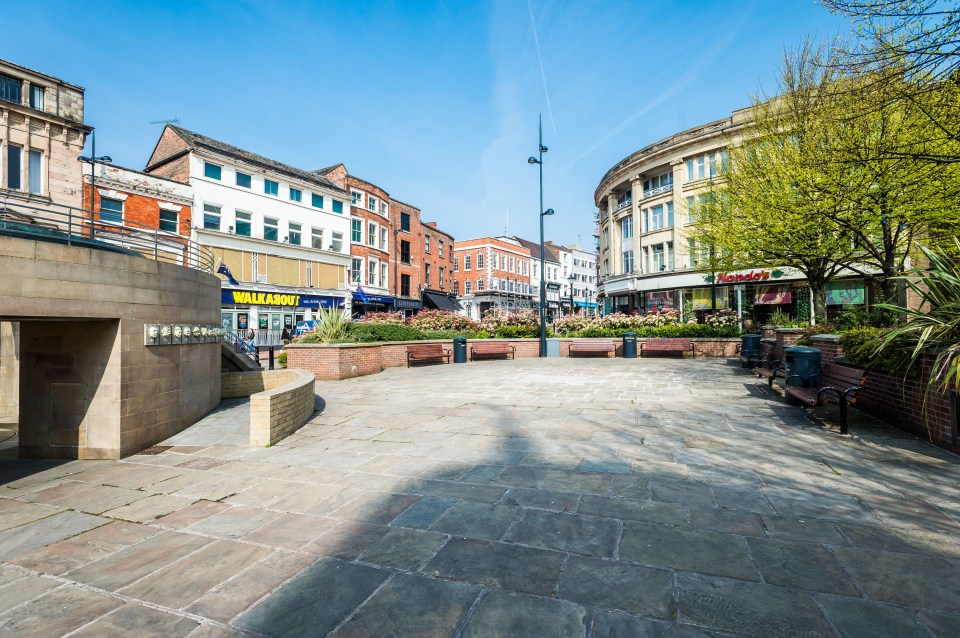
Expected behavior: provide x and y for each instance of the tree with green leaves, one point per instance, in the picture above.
(779, 190)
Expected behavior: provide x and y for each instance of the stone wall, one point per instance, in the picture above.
(82, 313)
(281, 401)
(345, 361)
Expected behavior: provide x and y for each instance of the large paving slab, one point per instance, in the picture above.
(559, 497)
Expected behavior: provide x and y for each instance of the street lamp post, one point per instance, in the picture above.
(572, 278)
(93, 159)
(543, 213)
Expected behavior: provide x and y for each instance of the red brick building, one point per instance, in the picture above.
(132, 198)
(492, 272)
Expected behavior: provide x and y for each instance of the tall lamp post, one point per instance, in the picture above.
(543, 213)
(93, 159)
(572, 278)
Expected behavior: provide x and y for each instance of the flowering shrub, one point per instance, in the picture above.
(519, 323)
(383, 317)
(654, 324)
(723, 317)
(442, 320)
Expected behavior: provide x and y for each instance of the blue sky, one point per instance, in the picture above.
(436, 101)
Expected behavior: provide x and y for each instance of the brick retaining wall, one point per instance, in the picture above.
(330, 362)
(281, 401)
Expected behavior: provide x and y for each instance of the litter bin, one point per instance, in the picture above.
(459, 350)
(553, 347)
(804, 363)
(750, 347)
(629, 345)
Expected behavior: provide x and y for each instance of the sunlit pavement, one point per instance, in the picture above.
(560, 497)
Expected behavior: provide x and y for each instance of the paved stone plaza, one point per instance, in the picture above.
(560, 497)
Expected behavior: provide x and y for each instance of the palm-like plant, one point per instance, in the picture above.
(331, 324)
(935, 324)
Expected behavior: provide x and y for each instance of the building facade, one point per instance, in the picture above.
(553, 277)
(281, 232)
(578, 274)
(41, 135)
(437, 268)
(646, 204)
(492, 272)
(129, 197)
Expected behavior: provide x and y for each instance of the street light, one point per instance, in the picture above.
(543, 213)
(93, 159)
(572, 278)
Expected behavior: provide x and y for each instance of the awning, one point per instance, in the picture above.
(442, 302)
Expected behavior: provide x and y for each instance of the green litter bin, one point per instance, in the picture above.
(629, 345)
(459, 350)
(803, 368)
(749, 347)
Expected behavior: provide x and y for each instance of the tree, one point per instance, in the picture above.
(779, 191)
(910, 50)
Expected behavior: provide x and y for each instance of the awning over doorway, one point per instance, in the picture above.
(442, 302)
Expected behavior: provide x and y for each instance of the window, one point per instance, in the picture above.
(371, 234)
(712, 162)
(480, 284)
(669, 214)
(35, 171)
(479, 261)
(211, 217)
(36, 97)
(383, 208)
(14, 168)
(169, 220)
(456, 263)
(670, 261)
(212, 171)
(658, 262)
(338, 206)
(440, 248)
(356, 267)
(700, 167)
(405, 221)
(404, 252)
(405, 285)
(371, 203)
(296, 195)
(656, 219)
(384, 274)
(495, 260)
(426, 275)
(512, 264)
(356, 230)
(243, 224)
(441, 277)
(111, 210)
(11, 89)
(626, 226)
(271, 187)
(316, 200)
(356, 198)
(526, 267)
(337, 244)
(466, 287)
(244, 180)
(295, 233)
(271, 229)
(426, 243)
(316, 238)
(373, 268)
(691, 207)
(384, 242)
(466, 262)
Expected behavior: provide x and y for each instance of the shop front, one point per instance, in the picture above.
(242, 310)
(408, 307)
(364, 304)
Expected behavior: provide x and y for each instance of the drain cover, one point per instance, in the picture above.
(156, 449)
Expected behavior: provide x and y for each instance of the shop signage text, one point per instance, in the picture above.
(753, 275)
(264, 298)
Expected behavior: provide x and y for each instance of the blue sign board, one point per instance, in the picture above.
(374, 299)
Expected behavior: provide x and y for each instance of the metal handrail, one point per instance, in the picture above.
(22, 216)
(666, 188)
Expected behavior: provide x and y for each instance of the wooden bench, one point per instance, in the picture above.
(768, 366)
(427, 353)
(838, 384)
(492, 350)
(589, 348)
(664, 344)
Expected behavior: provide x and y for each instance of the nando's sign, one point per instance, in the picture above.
(745, 277)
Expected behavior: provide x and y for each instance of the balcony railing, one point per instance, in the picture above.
(22, 217)
(623, 204)
(659, 190)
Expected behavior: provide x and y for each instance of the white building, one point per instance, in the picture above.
(282, 232)
(579, 274)
(555, 280)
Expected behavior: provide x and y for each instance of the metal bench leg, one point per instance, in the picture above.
(843, 415)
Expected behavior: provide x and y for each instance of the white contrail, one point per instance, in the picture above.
(543, 75)
(691, 74)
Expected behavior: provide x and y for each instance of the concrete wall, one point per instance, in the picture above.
(89, 388)
(9, 374)
(281, 401)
